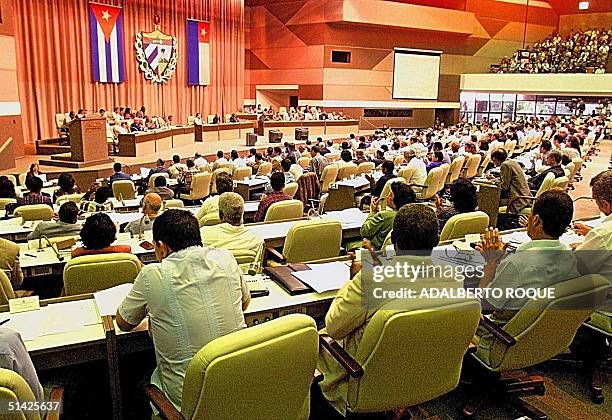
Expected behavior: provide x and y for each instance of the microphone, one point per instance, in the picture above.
(55, 251)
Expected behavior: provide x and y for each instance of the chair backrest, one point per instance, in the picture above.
(169, 204)
(34, 212)
(75, 198)
(200, 185)
(190, 120)
(546, 185)
(5, 201)
(124, 188)
(304, 161)
(242, 173)
(445, 170)
(461, 224)
(346, 171)
(265, 168)
(406, 172)
(387, 190)
(213, 179)
(60, 120)
(329, 174)
(407, 375)
(83, 274)
(291, 188)
(6, 289)
(562, 182)
(398, 160)
(22, 178)
(297, 171)
(432, 182)
(365, 167)
(152, 178)
(15, 389)
(275, 358)
(483, 164)
(308, 187)
(471, 166)
(546, 326)
(327, 234)
(455, 169)
(11, 178)
(210, 219)
(245, 258)
(284, 210)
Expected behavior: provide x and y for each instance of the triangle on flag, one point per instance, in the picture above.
(106, 16)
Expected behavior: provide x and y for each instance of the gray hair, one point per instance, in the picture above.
(231, 208)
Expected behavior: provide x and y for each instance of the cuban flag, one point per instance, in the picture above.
(107, 54)
(198, 51)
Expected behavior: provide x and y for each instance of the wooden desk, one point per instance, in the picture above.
(315, 127)
(248, 186)
(342, 193)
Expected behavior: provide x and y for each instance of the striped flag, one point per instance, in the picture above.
(107, 54)
(198, 52)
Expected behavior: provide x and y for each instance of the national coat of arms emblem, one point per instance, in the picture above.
(156, 53)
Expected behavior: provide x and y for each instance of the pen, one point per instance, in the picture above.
(30, 255)
(4, 321)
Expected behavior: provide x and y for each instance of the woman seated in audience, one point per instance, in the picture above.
(572, 148)
(34, 171)
(7, 188)
(97, 235)
(34, 196)
(463, 197)
(100, 201)
(66, 185)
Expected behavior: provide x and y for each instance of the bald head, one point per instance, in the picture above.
(231, 208)
(151, 204)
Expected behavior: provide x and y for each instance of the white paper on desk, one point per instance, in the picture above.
(324, 277)
(27, 324)
(109, 300)
(517, 237)
(84, 310)
(595, 222)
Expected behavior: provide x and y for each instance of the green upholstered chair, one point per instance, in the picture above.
(346, 171)
(461, 224)
(242, 173)
(407, 357)
(483, 164)
(210, 219)
(265, 168)
(382, 202)
(442, 182)
(200, 187)
(291, 189)
(267, 369)
(6, 289)
(75, 198)
(5, 201)
(455, 170)
(432, 182)
(213, 179)
(152, 178)
(284, 210)
(11, 178)
(170, 204)
(546, 185)
(365, 168)
(13, 388)
(34, 212)
(124, 189)
(471, 165)
(329, 174)
(561, 183)
(540, 330)
(90, 273)
(325, 233)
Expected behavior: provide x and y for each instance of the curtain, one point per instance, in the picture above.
(53, 59)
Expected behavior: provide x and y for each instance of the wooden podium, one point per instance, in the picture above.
(87, 144)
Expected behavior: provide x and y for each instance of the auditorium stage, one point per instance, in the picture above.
(88, 175)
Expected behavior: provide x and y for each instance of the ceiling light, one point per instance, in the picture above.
(583, 5)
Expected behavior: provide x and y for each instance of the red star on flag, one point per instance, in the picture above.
(106, 16)
(204, 32)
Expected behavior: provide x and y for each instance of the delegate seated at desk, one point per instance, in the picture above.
(553, 160)
(513, 182)
(151, 205)
(415, 228)
(15, 357)
(231, 233)
(66, 225)
(100, 201)
(118, 175)
(34, 184)
(277, 181)
(192, 296)
(539, 263)
(161, 189)
(224, 184)
(9, 262)
(97, 235)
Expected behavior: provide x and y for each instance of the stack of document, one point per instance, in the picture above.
(324, 277)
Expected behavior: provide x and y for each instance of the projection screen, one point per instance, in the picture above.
(415, 73)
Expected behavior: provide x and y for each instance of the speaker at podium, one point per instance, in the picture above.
(251, 139)
(275, 136)
(301, 133)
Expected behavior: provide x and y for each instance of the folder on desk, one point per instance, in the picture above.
(282, 275)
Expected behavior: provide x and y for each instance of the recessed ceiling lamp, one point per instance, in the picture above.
(583, 5)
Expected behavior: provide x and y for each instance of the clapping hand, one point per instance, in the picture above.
(491, 246)
(581, 229)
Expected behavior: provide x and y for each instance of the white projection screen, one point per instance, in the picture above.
(415, 73)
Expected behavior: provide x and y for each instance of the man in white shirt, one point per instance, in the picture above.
(237, 161)
(194, 295)
(595, 252)
(220, 160)
(177, 168)
(231, 233)
(419, 175)
(211, 204)
(151, 205)
(199, 161)
(198, 119)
